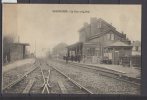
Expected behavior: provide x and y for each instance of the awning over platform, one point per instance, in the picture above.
(79, 44)
(25, 44)
(75, 45)
(75, 49)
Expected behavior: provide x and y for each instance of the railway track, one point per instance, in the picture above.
(48, 72)
(81, 87)
(14, 83)
(46, 87)
(31, 80)
(52, 80)
(105, 73)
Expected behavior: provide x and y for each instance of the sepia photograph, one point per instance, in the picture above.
(71, 49)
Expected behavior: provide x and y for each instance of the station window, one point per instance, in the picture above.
(105, 37)
(112, 36)
(108, 36)
(136, 48)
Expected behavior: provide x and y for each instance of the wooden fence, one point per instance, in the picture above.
(134, 61)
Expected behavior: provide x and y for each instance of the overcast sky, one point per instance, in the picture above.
(39, 23)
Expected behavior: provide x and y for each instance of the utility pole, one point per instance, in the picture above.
(49, 53)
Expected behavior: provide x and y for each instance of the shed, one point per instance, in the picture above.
(17, 51)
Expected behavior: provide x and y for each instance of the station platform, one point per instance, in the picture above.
(17, 63)
(131, 71)
(127, 71)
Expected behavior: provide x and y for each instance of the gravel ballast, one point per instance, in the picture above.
(95, 82)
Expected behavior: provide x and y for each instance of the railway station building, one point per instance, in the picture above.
(99, 40)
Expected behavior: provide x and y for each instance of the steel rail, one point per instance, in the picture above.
(73, 81)
(48, 78)
(29, 86)
(45, 85)
(19, 79)
(43, 76)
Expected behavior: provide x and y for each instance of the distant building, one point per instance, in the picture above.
(100, 40)
(59, 50)
(17, 51)
(136, 54)
(136, 50)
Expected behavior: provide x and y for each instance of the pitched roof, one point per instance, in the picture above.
(102, 20)
(118, 44)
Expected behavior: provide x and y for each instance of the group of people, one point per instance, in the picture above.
(72, 58)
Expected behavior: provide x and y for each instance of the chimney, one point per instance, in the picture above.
(93, 20)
